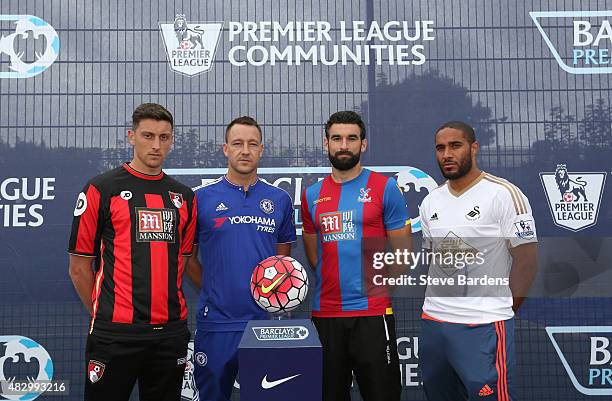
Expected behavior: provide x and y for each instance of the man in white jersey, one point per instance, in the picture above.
(485, 223)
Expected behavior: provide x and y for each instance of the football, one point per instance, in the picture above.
(279, 284)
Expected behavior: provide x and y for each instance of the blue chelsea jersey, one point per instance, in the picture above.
(237, 229)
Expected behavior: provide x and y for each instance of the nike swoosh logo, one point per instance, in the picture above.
(267, 385)
(266, 290)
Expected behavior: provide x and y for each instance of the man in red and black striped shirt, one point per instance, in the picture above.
(132, 233)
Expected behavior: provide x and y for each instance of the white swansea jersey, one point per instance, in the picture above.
(483, 221)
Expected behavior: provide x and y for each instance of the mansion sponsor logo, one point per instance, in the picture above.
(574, 198)
(586, 355)
(337, 226)
(26, 27)
(580, 41)
(191, 47)
(281, 333)
(156, 225)
(414, 183)
(21, 200)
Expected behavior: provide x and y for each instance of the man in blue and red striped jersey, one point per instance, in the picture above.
(134, 227)
(346, 217)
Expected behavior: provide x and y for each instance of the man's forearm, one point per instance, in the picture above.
(523, 272)
(194, 271)
(83, 281)
(521, 278)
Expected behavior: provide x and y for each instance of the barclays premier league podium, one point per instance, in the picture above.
(280, 360)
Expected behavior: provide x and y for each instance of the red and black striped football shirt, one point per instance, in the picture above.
(138, 228)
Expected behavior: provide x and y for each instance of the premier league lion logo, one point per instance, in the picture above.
(189, 38)
(571, 190)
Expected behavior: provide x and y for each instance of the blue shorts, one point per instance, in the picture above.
(215, 357)
(468, 362)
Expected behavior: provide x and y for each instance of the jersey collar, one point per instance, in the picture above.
(239, 187)
(471, 185)
(363, 172)
(144, 176)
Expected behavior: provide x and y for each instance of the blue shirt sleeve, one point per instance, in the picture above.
(286, 232)
(199, 204)
(395, 211)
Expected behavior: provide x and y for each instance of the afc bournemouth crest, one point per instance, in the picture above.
(176, 198)
(574, 198)
(191, 47)
(95, 370)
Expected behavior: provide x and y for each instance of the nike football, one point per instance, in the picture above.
(279, 284)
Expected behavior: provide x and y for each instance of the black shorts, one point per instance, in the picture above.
(367, 347)
(114, 366)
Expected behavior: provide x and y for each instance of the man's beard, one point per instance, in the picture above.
(346, 163)
(465, 165)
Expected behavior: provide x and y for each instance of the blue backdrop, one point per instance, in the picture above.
(531, 76)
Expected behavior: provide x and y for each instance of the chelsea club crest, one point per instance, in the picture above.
(267, 206)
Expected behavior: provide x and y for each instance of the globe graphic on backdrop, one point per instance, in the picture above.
(415, 184)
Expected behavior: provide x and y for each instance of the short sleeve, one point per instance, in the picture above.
(190, 230)
(395, 212)
(287, 226)
(307, 225)
(425, 232)
(516, 219)
(85, 235)
(198, 228)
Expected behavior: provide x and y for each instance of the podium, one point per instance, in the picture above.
(280, 360)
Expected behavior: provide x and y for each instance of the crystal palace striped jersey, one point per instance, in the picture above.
(138, 227)
(350, 219)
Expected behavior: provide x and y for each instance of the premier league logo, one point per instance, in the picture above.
(523, 229)
(574, 198)
(189, 391)
(191, 47)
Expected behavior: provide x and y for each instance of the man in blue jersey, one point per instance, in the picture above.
(346, 217)
(241, 221)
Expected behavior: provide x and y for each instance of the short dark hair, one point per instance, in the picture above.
(152, 111)
(467, 129)
(244, 120)
(345, 117)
